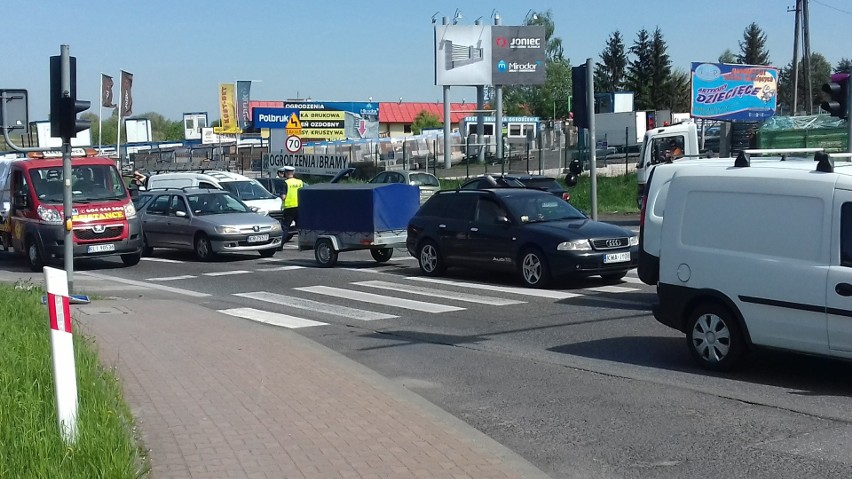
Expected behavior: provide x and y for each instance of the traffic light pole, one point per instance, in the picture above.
(590, 102)
(67, 205)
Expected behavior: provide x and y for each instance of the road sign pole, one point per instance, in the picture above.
(62, 349)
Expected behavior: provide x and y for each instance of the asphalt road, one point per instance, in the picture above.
(579, 379)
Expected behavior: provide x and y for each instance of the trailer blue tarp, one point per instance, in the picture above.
(355, 207)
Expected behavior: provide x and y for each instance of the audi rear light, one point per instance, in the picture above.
(566, 196)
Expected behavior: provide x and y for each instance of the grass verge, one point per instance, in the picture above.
(30, 442)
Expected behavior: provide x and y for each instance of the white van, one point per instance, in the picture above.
(654, 198)
(246, 189)
(758, 256)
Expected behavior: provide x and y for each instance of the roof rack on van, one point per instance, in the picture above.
(844, 156)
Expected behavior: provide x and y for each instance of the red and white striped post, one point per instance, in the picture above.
(62, 349)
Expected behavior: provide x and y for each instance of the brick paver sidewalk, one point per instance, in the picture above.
(218, 397)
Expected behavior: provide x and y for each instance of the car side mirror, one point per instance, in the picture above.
(22, 200)
(180, 214)
(254, 209)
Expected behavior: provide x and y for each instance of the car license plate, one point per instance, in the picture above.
(617, 257)
(100, 248)
(258, 238)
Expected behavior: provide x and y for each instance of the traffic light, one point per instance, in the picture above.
(838, 92)
(64, 105)
(579, 102)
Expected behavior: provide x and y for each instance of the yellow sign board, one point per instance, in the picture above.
(323, 115)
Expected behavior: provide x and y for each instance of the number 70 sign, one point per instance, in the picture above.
(293, 144)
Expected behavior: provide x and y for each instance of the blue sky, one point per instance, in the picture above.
(180, 50)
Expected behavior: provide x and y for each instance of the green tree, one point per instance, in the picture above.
(661, 70)
(554, 50)
(610, 72)
(753, 47)
(843, 66)
(424, 119)
(727, 56)
(676, 93)
(820, 73)
(639, 71)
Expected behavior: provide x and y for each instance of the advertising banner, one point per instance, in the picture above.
(227, 110)
(463, 54)
(722, 91)
(319, 121)
(243, 99)
(518, 55)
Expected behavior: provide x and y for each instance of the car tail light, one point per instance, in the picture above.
(566, 196)
(642, 211)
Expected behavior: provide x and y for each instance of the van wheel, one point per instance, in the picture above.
(534, 270)
(35, 259)
(430, 260)
(714, 338)
(203, 250)
(131, 259)
(324, 253)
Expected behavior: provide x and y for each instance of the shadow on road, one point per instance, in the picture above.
(802, 375)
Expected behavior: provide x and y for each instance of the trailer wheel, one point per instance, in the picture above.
(382, 255)
(35, 259)
(324, 253)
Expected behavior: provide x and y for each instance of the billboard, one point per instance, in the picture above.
(318, 121)
(518, 55)
(489, 55)
(722, 91)
(462, 55)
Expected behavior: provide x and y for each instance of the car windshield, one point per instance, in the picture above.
(204, 204)
(538, 208)
(247, 190)
(88, 183)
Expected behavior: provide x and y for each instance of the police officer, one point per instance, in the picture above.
(290, 197)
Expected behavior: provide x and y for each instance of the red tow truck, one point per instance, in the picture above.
(104, 221)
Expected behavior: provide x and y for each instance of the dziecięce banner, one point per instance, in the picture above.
(722, 91)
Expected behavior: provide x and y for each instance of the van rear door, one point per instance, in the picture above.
(839, 287)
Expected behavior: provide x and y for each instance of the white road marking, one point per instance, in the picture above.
(311, 305)
(363, 270)
(275, 319)
(172, 278)
(161, 260)
(379, 299)
(440, 293)
(403, 258)
(227, 273)
(540, 293)
(144, 284)
(611, 289)
(281, 268)
(631, 279)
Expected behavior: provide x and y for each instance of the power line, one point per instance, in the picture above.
(832, 7)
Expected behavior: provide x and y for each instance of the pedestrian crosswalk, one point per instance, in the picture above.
(396, 296)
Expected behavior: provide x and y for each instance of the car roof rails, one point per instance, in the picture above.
(783, 152)
(824, 164)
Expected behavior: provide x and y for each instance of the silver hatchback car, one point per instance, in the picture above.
(206, 222)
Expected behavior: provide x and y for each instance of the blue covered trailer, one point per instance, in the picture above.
(335, 217)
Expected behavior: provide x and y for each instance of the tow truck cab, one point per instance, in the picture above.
(104, 221)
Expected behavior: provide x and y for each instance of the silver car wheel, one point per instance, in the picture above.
(532, 268)
(711, 338)
(428, 258)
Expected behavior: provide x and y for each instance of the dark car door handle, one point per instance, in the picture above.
(442, 226)
(843, 289)
(474, 229)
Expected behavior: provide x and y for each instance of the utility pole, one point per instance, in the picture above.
(806, 44)
(796, 30)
